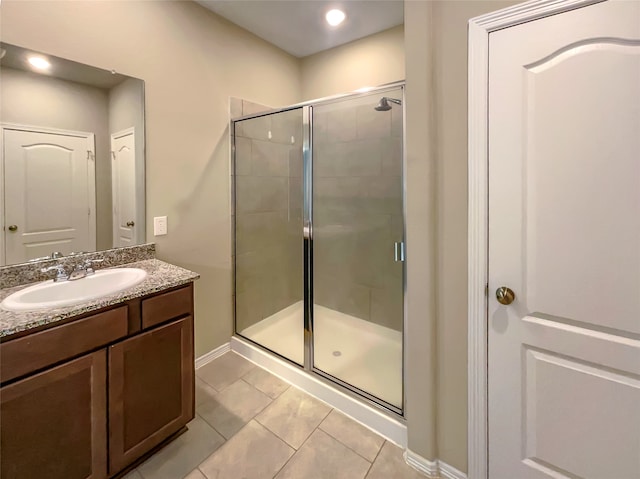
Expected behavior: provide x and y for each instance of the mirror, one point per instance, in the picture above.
(73, 157)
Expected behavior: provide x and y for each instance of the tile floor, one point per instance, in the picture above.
(251, 425)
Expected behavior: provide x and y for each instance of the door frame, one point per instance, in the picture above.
(91, 175)
(478, 214)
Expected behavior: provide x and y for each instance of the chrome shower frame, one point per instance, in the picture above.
(307, 176)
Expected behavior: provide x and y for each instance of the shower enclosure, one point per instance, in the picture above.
(319, 238)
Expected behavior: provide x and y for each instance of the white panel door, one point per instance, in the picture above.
(564, 235)
(49, 203)
(124, 188)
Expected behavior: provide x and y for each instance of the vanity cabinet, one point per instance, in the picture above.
(150, 390)
(86, 399)
(54, 423)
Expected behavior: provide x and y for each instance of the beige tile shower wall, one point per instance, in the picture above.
(358, 209)
(268, 216)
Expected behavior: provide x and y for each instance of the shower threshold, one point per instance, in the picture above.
(357, 352)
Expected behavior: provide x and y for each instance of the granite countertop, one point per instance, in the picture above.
(160, 276)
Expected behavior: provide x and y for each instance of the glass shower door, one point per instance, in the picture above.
(268, 232)
(358, 231)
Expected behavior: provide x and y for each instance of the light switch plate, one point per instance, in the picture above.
(159, 225)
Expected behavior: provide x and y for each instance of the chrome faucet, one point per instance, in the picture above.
(85, 269)
(79, 272)
(88, 265)
(61, 274)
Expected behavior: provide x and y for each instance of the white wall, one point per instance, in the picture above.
(39, 100)
(420, 215)
(370, 61)
(436, 56)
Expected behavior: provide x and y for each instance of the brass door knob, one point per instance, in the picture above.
(130, 224)
(13, 228)
(505, 295)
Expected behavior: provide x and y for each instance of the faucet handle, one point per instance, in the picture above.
(88, 265)
(61, 274)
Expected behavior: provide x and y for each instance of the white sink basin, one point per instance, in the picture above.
(50, 294)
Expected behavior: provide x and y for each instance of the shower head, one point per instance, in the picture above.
(383, 104)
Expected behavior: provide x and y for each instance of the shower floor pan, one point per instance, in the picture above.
(358, 352)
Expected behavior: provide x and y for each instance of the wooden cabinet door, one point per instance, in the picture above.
(54, 424)
(151, 384)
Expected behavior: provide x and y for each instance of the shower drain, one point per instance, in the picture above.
(337, 353)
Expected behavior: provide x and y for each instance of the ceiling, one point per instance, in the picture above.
(298, 26)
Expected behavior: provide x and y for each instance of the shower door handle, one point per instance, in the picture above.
(398, 250)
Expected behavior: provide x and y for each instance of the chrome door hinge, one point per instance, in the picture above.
(398, 251)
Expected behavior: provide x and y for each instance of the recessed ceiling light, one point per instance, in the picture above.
(39, 63)
(335, 17)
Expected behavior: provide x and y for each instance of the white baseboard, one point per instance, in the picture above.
(433, 469)
(450, 472)
(211, 355)
(373, 418)
(419, 463)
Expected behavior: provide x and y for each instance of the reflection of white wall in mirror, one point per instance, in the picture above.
(31, 99)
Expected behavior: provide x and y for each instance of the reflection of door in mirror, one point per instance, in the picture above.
(123, 177)
(49, 185)
(70, 96)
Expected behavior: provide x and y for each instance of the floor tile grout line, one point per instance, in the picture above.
(278, 436)
(349, 447)
(307, 439)
(252, 386)
(375, 459)
(212, 400)
(340, 442)
(201, 379)
(239, 377)
(296, 450)
(217, 432)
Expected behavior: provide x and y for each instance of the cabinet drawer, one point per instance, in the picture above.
(39, 350)
(166, 306)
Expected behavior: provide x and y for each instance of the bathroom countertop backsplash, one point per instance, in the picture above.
(25, 273)
(160, 276)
